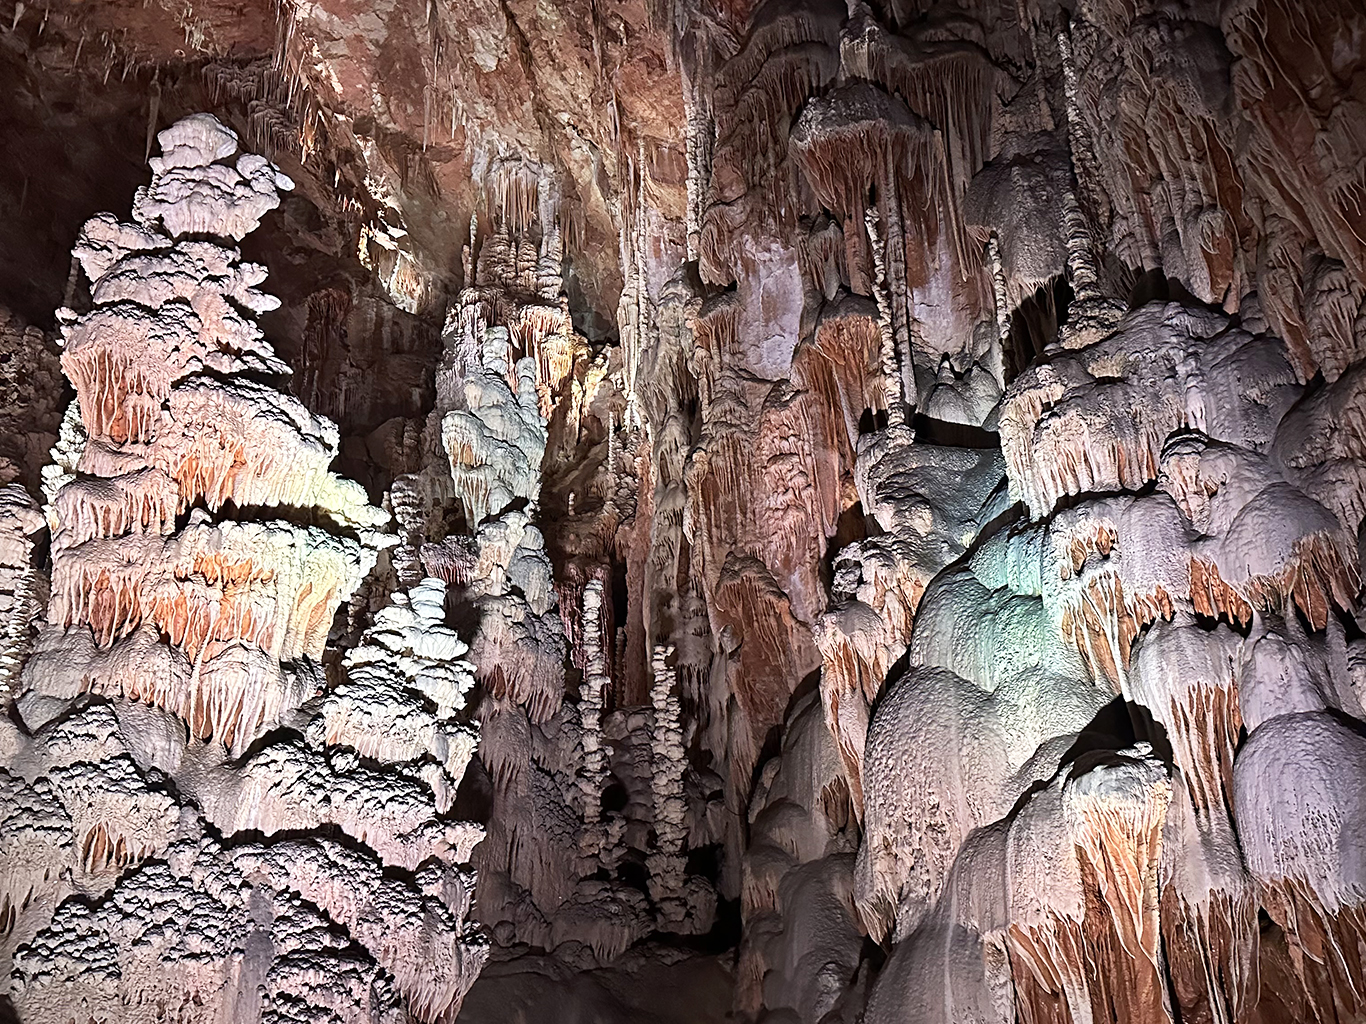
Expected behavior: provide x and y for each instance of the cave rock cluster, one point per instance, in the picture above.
(790, 512)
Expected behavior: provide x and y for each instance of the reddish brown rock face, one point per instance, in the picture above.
(741, 482)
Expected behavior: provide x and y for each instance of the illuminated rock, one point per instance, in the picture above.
(1096, 419)
(176, 799)
(878, 505)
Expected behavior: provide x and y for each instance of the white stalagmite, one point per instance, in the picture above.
(891, 370)
(802, 932)
(595, 681)
(20, 519)
(406, 663)
(930, 501)
(165, 867)
(172, 317)
(668, 759)
(494, 445)
(65, 456)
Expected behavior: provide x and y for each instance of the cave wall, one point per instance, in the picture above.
(836, 510)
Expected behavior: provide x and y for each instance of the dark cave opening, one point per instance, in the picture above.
(1035, 323)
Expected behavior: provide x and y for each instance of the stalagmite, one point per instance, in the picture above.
(217, 625)
(19, 606)
(929, 501)
(409, 660)
(596, 681)
(666, 767)
(30, 399)
(891, 373)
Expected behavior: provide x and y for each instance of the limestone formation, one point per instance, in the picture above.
(779, 511)
(175, 732)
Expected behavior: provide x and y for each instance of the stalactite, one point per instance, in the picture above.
(1115, 815)
(1066, 429)
(641, 293)
(697, 138)
(1093, 315)
(1208, 911)
(944, 80)
(1078, 139)
(855, 650)
(1080, 261)
(1296, 785)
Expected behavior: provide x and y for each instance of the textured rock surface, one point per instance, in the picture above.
(194, 825)
(798, 512)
